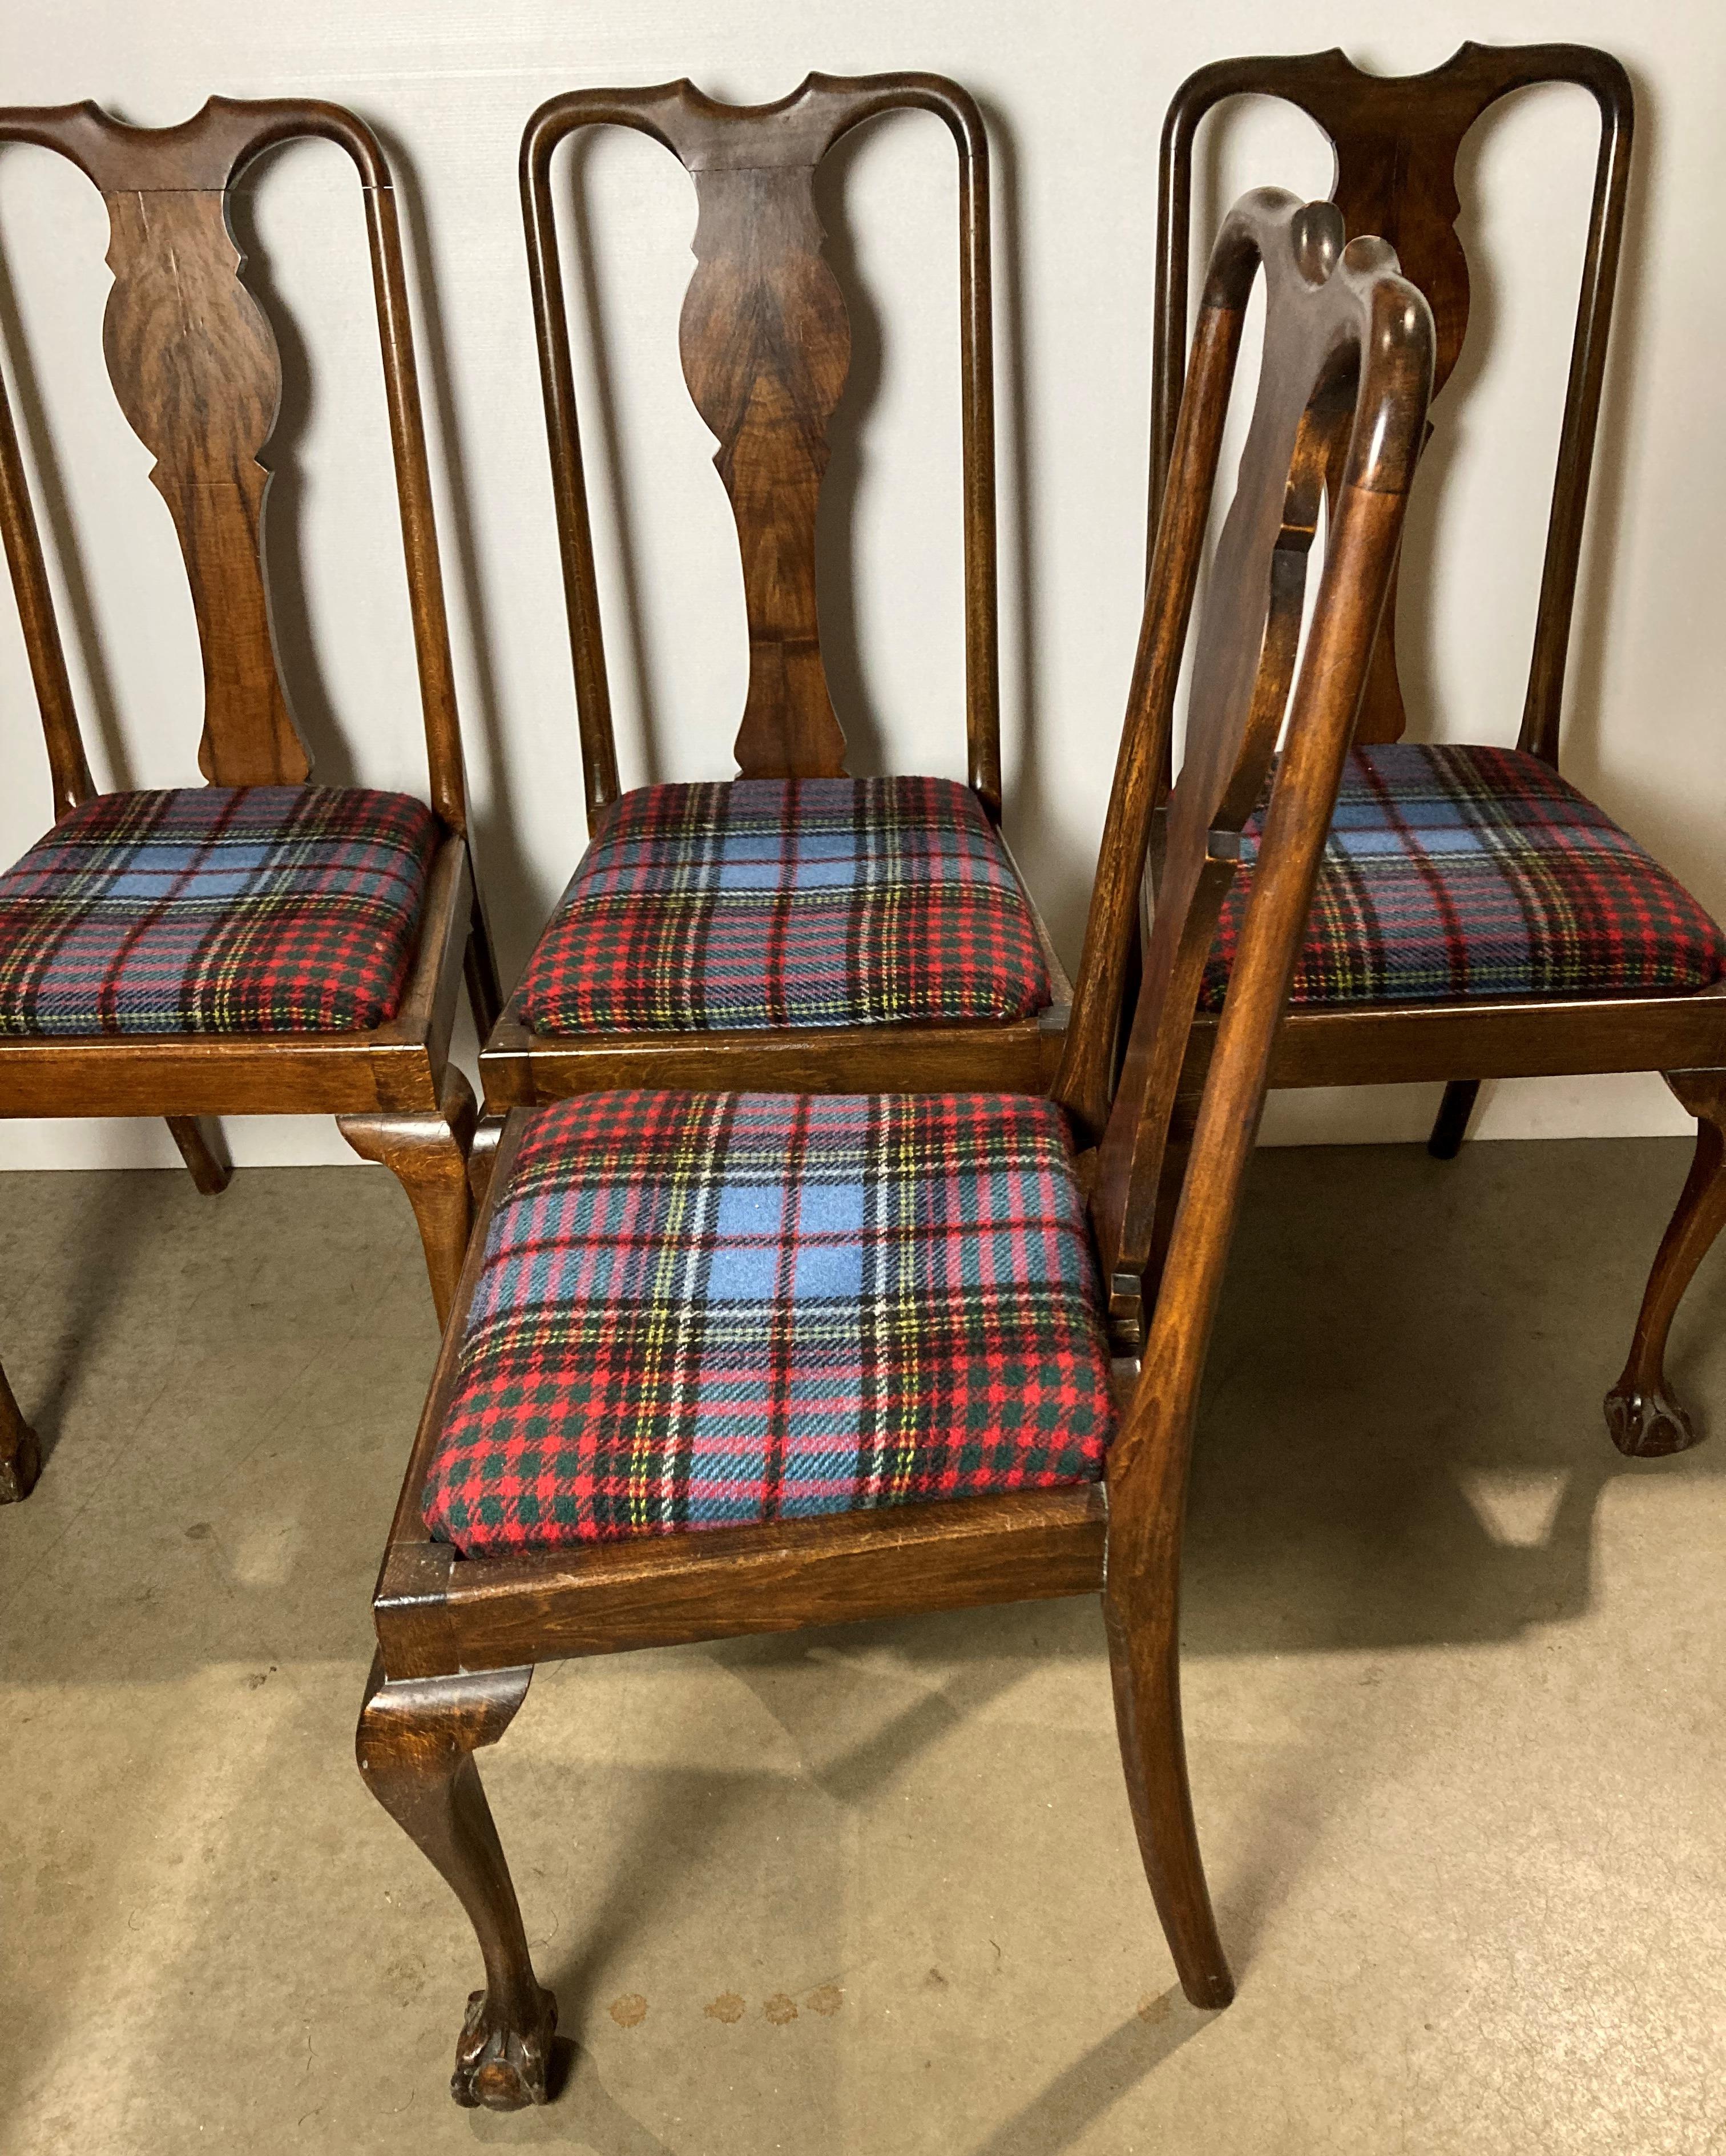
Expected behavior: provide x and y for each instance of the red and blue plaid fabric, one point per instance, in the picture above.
(699, 1309)
(1455, 872)
(216, 909)
(770, 902)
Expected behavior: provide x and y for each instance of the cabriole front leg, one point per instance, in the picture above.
(428, 1156)
(415, 1747)
(20, 1455)
(1644, 1418)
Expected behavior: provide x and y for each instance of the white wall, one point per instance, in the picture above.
(1075, 97)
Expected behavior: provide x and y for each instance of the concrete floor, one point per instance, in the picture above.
(1455, 1674)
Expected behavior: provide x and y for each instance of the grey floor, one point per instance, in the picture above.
(1455, 1674)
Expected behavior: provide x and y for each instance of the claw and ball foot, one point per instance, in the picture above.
(500, 2066)
(20, 1455)
(1646, 1425)
(415, 1746)
(1644, 1418)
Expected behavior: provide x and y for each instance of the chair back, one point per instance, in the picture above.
(766, 348)
(196, 368)
(1396, 140)
(1340, 412)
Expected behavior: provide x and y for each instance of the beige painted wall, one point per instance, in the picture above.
(1075, 97)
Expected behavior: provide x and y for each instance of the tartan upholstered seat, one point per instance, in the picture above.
(789, 902)
(216, 910)
(702, 1309)
(1457, 872)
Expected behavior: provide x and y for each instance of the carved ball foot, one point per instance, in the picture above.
(1646, 1425)
(18, 1474)
(501, 2068)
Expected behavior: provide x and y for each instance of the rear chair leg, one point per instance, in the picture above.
(20, 1455)
(1644, 1419)
(428, 1154)
(203, 1149)
(1450, 1124)
(1141, 1609)
(415, 1746)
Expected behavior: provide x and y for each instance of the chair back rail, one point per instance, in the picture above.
(197, 372)
(1396, 140)
(765, 342)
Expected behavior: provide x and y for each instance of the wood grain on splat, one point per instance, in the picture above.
(196, 369)
(766, 345)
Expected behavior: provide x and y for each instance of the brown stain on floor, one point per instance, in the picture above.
(781, 2008)
(629, 2012)
(825, 1998)
(727, 2007)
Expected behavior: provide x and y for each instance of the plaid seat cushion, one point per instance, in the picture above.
(696, 1310)
(216, 909)
(1455, 872)
(788, 902)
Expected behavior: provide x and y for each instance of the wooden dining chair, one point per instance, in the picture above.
(731, 1363)
(257, 945)
(794, 926)
(1475, 916)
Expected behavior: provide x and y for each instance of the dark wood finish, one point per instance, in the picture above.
(1341, 396)
(415, 1748)
(1644, 1418)
(1396, 140)
(195, 368)
(765, 342)
(1450, 1126)
(20, 1454)
(428, 1155)
(766, 347)
(520, 1068)
(672, 1590)
(1341, 404)
(204, 1151)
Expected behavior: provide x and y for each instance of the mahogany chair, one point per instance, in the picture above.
(1476, 917)
(257, 945)
(794, 927)
(861, 1343)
